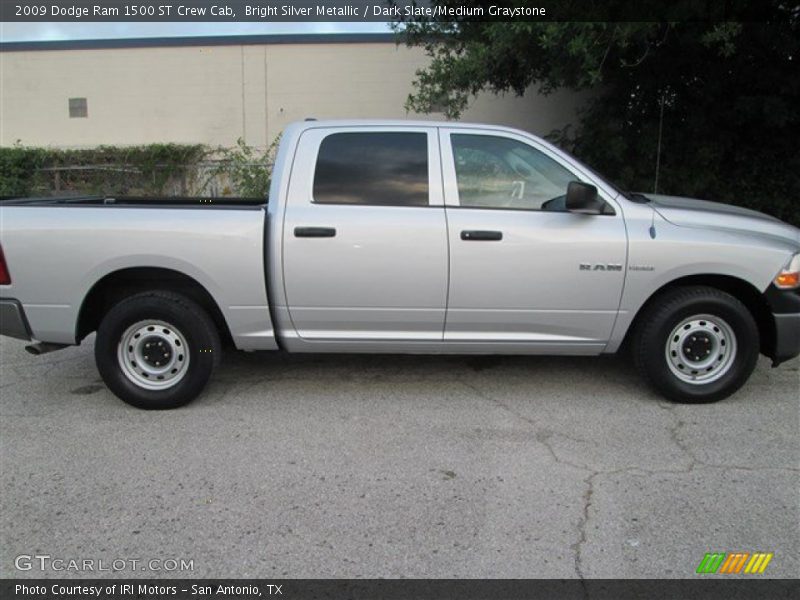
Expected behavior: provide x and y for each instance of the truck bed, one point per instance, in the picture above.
(59, 248)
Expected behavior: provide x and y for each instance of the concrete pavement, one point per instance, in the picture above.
(396, 466)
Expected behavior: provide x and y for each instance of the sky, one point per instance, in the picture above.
(15, 32)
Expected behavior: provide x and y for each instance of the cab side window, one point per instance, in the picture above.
(498, 172)
(372, 168)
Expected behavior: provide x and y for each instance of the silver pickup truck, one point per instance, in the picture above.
(405, 237)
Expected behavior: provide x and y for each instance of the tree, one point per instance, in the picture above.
(724, 97)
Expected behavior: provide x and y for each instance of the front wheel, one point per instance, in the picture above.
(157, 350)
(696, 344)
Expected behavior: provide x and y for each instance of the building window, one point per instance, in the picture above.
(78, 108)
(381, 169)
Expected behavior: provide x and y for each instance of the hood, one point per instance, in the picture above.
(689, 212)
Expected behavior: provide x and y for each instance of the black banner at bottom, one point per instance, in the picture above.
(396, 589)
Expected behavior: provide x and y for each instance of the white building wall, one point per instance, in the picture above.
(216, 94)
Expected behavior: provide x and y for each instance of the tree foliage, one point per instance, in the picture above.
(726, 94)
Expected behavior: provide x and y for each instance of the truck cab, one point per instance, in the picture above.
(431, 238)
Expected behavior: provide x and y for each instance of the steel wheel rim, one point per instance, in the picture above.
(701, 349)
(153, 354)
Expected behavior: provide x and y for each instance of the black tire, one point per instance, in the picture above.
(182, 319)
(662, 359)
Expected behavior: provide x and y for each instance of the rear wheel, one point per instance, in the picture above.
(696, 344)
(157, 350)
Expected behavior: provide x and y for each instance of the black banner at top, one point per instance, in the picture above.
(277, 11)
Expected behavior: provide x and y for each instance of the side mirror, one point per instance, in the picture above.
(582, 198)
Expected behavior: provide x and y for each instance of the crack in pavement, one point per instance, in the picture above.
(543, 436)
(583, 522)
(674, 435)
(694, 461)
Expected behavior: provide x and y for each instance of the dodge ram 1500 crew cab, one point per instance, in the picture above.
(405, 237)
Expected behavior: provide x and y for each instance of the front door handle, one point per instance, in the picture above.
(314, 232)
(481, 236)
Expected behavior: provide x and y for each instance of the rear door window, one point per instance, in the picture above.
(372, 168)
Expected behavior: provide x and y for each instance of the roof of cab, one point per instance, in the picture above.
(311, 123)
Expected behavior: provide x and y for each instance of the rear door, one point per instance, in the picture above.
(523, 271)
(365, 237)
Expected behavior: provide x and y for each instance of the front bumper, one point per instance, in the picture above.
(785, 307)
(12, 319)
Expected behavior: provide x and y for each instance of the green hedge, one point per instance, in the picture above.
(152, 170)
(18, 167)
(26, 171)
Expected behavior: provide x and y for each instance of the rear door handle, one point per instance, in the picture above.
(314, 232)
(481, 236)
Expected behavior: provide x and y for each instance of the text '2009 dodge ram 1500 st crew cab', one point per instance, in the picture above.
(405, 237)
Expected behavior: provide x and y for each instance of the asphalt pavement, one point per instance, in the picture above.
(393, 466)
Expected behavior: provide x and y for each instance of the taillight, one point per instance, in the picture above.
(5, 278)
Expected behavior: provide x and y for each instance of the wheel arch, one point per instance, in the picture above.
(740, 289)
(119, 284)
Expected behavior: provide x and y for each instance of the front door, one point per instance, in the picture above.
(365, 237)
(523, 271)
